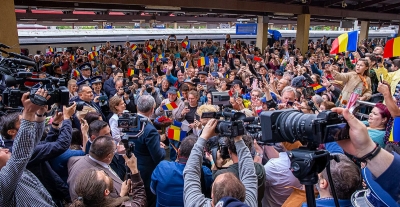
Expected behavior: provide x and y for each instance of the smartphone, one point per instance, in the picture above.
(290, 103)
(187, 105)
(103, 98)
(381, 78)
(236, 95)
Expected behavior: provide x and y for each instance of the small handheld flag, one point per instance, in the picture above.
(91, 56)
(175, 132)
(133, 47)
(345, 42)
(149, 47)
(76, 73)
(130, 72)
(170, 106)
(72, 58)
(392, 48)
(201, 61)
(318, 88)
(94, 48)
(185, 44)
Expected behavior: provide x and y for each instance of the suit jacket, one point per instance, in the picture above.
(76, 165)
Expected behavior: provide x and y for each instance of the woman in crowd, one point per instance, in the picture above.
(356, 80)
(378, 118)
(91, 116)
(72, 88)
(327, 105)
(117, 107)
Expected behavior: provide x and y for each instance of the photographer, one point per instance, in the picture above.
(149, 89)
(15, 181)
(126, 95)
(234, 168)
(383, 165)
(226, 188)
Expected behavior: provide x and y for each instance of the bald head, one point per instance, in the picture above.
(227, 184)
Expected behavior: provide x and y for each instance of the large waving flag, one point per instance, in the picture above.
(345, 42)
(170, 106)
(175, 132)
(395, 133)
(392, 48)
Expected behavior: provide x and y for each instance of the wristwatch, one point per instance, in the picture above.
(260, 155)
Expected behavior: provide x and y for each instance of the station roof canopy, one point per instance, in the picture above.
(327, 11)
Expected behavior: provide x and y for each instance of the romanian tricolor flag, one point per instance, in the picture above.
(94, 48)
(318, 88)
(178, 93)
(149, 47)
(392, 48)
(148, 69)
(345, 42)
(175, 132)
(187, 64)
(133, 47)
(395, 134)
(185, 44)
(170, 106)
(153, 59)
(201, 61)
(72, 58)
(130, 72)
(91, 56)
(95, 53)
(144, 56)
(76, 73)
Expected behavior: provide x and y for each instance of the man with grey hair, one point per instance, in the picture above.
(317, 99)
(148, 148)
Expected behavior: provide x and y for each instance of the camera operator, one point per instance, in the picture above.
(100, 156)
(234, 168)
(148, 148)
(100, 96)
(226, 188)
(149, 89)
(16, 182)
(383, 165)
(125, 94)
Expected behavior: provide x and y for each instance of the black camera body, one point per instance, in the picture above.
(291, 125)
(128, 121)
(231, 127)
(149, 88)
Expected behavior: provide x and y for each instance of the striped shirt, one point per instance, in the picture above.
(19, 186)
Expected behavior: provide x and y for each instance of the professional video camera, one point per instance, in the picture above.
(291, 125)
(232, 126)
(15, 88)
(132, 125)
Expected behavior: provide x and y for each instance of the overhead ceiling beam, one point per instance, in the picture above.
(389, 7)
(367, 4)
(289, 1)
(331, 2)
(233, 6)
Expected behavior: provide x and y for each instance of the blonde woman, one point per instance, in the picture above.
(117, 107)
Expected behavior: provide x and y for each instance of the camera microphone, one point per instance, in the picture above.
(24, 62)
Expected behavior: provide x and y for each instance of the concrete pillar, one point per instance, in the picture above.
(262, 32)
(364, 30)
(8, 23)
(302, 32)
(289, 26)
(175, 25)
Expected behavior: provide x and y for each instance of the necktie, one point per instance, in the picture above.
(112, 171)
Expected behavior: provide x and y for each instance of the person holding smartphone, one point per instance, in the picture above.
(189, 112)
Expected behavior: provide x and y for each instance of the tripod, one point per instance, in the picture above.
(305, 166)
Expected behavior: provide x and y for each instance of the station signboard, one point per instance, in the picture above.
(246, 29)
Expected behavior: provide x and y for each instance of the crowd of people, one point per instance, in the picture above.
(75, 155)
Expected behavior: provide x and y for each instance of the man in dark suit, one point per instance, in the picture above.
(148, 148)
(100, 156)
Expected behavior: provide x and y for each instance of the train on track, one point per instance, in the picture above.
(33, 40)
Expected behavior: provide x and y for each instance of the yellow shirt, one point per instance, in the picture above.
(381, 71)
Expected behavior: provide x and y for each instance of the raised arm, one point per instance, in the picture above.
(24, 143)
(247, 173)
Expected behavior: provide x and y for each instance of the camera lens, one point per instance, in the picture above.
(294, 125)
